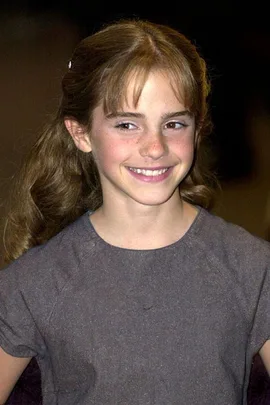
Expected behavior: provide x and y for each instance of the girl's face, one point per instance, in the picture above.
(144, 152)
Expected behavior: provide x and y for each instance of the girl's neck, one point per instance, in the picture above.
(145, 228)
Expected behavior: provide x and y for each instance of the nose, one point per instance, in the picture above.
(153, 146)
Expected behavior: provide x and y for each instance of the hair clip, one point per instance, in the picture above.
(69, 64)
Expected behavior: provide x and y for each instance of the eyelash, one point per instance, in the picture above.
(182, 124)
(122, 125)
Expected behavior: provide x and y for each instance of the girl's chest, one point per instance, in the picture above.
(171, 323)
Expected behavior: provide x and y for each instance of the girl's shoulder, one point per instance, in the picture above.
(222, 232)
(56, 258)
(228, 242)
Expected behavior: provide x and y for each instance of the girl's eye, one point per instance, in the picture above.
(175, 125)
(126, 126)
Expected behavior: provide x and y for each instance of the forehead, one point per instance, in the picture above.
(156, 97)
(147, 89)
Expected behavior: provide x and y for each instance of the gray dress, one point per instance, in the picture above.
(113, 326)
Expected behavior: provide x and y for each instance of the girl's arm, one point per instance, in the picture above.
(10, 370)
(265, 355)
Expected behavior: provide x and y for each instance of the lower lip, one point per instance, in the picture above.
(151, 179)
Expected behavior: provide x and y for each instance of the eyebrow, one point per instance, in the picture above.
(127, 114)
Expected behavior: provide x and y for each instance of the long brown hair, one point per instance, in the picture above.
(57, 182)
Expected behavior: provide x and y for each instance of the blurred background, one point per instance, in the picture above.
(37, 40)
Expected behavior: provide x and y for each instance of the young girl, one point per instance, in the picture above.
(123, 285)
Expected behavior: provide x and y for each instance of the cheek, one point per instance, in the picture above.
(108, 152)
(184, 146)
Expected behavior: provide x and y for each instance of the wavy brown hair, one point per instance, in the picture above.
(57, 182)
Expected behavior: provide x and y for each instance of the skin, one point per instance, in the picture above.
(137, 213)
(10, 370)
(265, 355)
(141, 211)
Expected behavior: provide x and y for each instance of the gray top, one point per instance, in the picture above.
(113, 326)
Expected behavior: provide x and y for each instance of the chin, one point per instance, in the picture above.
(154, 200)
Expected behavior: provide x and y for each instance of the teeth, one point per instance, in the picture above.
(148, 172)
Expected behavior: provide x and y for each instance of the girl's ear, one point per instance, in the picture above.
(78, 134)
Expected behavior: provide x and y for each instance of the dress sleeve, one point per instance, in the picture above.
(261, 323)
(19, 333)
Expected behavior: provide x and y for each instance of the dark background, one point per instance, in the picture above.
(37, 39)
(36, 42)
(233, 38)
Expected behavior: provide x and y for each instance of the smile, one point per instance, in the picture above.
(148, 172)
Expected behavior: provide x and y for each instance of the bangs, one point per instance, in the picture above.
(116, 80)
